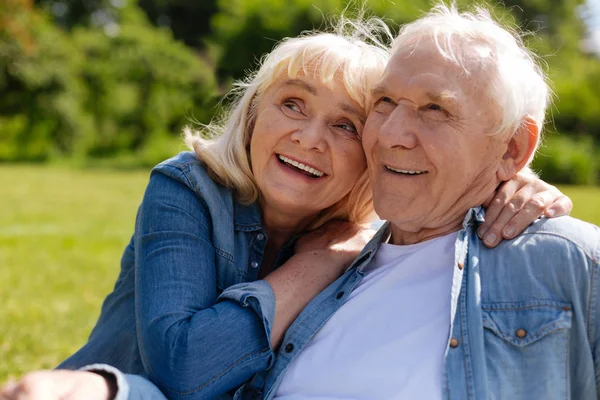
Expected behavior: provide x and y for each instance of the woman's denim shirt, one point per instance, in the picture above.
(525, 317)
(174, 314)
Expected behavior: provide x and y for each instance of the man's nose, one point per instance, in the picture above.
(311, 136)
(400, 129)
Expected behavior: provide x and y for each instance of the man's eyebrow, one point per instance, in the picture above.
(445, 95)
(377, 90)
(297, 82)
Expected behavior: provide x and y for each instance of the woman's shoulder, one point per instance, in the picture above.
(219, 200)
(186, 168)
(185, 160)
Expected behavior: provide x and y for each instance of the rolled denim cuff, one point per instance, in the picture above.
(257, 295)
(122, 385)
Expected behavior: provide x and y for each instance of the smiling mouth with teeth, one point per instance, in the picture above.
(305, 169)
(404, 171)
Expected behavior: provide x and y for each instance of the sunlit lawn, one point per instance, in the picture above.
(61, 236)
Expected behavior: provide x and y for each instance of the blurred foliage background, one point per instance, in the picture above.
(113, 81)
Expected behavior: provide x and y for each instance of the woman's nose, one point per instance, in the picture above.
(311, 136)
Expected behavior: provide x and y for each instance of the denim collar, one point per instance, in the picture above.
(473, 217)
(247, 218)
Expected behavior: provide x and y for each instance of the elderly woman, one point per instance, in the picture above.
(214, 275)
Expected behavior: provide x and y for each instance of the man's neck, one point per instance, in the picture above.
(403, 237)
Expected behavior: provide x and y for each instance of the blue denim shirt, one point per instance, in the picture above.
(524, 317)
(187, 310)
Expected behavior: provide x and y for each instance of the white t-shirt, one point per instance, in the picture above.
(388, 340)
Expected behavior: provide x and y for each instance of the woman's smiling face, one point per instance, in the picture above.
(305, 148)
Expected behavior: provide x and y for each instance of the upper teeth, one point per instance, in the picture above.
(301, 166)
(404, 171)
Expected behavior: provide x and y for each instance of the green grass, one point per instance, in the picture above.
(62, 232)
(61, 236)
(586, 202)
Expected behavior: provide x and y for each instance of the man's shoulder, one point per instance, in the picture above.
(552, 259)
(567, 232)
(553, 251)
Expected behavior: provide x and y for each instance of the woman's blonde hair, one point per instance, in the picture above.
(355, 52)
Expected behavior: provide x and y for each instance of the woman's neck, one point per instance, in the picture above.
(280, 229)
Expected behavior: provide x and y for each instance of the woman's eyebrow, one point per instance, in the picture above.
(312, 90)
(297, 82)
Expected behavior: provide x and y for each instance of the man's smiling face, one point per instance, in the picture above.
(427, 140)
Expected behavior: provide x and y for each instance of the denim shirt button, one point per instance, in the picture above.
(461, 265)
(260, 236)
(454, 343)
(254, 264)
(289, 348)
(521, 333)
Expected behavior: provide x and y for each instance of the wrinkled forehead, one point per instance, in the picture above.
(423, 72)
(466, 69)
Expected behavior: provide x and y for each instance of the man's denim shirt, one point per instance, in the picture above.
(525, 317)
(187, 310)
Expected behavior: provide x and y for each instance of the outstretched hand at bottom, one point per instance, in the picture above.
(57, 385)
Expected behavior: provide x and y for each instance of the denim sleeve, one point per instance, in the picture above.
(594, 311)
(193, 344)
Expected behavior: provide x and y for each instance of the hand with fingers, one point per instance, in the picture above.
(341, 240)
(58, 385)
(519, 202)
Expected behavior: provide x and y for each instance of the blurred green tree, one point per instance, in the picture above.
(189, 20)
(70, 13)
(243, 30)
(40, 91)
(101, 90)
(141, 83)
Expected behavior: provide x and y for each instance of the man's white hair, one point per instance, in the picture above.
(518, 84)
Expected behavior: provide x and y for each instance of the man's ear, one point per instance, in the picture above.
(519, 149)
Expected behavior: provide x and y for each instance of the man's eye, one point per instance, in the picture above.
(383, 105)
(435, 107)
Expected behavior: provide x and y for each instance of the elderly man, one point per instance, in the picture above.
(426, 311)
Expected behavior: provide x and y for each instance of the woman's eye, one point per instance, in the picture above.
(292, 106)
(348, 126)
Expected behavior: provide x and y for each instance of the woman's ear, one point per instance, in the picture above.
(519, 149)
